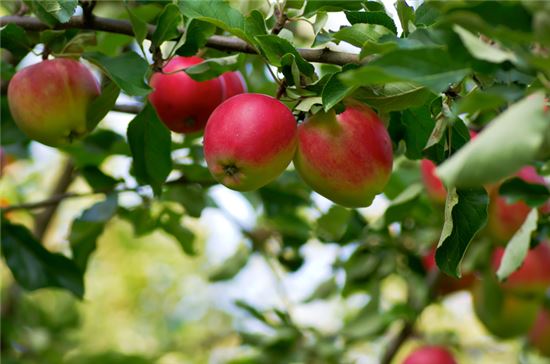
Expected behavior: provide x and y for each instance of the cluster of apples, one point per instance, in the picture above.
(250, 139)
(517, 310)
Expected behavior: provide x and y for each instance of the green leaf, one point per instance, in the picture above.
(53, 11)
(167, 25)
(430, 67)
(96, 147)
(487, 159)
(482, 50)
(231, 266)
(35, 267)
(97, 180)
(465, 215)
(314, 6)
(127, 70)
(139, 27)
(219, 13)
(332, 225)
(418, 125)
(86, 229)
(192, 197)
(426, 14)
(171, 223)
(394, 96)
(517, 248)
(405, 14)
(196, 35)
(402, 205)
(371, 17)
(150, 141)
(100, 106)
(335, 91)
(15, 39)
(275, 48)
(359, 34)
(533, 194)
(214, 67)
(141, 219)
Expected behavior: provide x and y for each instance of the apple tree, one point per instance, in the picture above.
(411, 137)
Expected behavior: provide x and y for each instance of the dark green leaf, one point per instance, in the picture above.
(314, 6)
(359, 34)
(127, 70)
(430, 67)
(141, 219)
(15, 39)
(102, 105)
(532, 194)
(405, 14)
(53, 11)
(192, 197)
(371, 17)
(150, 141)
(517, 248)
(335, 91)
(465, 215)
(196, 35)
(96, 147)
(97, 180)
(35, 267)
(139, 27)
(274, 48)
(394, 96)
(418, 125)
(426, 14)
(331, 226)
(86, 229)
(167, 25)
(214, 67)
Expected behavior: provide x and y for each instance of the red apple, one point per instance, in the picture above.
(49, 100)
(434, 187)
(445, 283)
(534, 273)
(430, 355)
(249, 140)
(234, 84)
(539, 336)
(506, 218)
(182, 103)
(346, 157)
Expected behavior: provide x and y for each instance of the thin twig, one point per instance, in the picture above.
(219, 42)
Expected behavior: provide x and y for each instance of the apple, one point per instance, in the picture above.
(49, 100)
(233, 83)
(508, 309)
(504, 217)
(539, 335)
(430, 355)
(249, 140)
(445, 283)
(183, 104)
(345, 157)
(434, 187)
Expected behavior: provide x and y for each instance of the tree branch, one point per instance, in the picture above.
(219, 42)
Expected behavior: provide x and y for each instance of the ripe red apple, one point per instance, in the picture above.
(182, 103)
(233, 83)
(49, 100)
(445, 283)
(505, 218)
(513, 313)
(434, 187)
(249, 140)
(430, 355)
(533, 275)
(539, 336)
(346, 157)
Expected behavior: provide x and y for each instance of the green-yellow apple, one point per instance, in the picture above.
(249, 140)
(49, 100)
(345, 157)
(183, 104)
(430, 354)
(539, 335)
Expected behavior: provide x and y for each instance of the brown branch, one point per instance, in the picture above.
(219, 42)
(128, 108)
(42, 221)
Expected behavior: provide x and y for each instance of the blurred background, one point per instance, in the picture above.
(147, 301)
